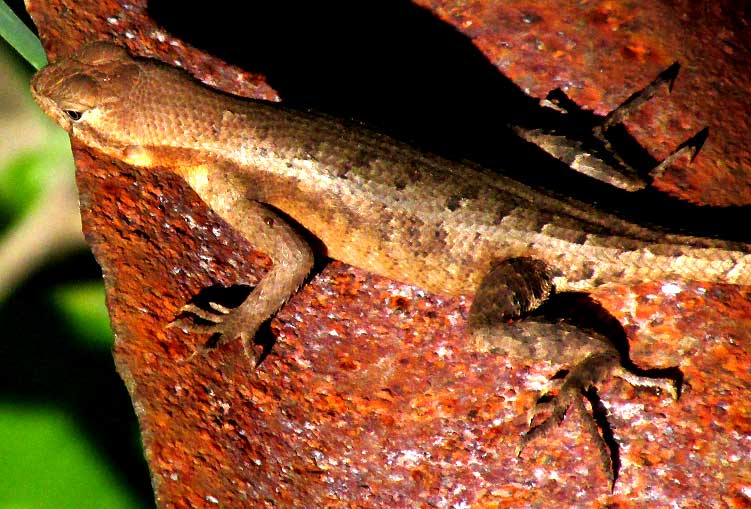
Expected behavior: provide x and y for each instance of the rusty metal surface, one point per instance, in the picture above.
(600, 52)
(369, 398)
(64, 26)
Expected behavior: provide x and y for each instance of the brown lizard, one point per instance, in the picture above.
(381, 205)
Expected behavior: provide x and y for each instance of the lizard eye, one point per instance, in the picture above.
(74, 115)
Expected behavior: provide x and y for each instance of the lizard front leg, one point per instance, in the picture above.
(291, 255)
(518, 286)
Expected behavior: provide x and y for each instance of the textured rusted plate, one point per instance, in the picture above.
(64, 26)
(369, 397)
(600, 52)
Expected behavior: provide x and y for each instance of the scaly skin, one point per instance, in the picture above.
(375, 203)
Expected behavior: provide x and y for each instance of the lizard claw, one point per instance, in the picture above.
(545, 404)
(213, 316)
(571, 396)
(578, 381)
(689, 148)
(669, 385)
(199, 328)
(223, 323)
(206, 314)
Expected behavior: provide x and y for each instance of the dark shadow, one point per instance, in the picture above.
(581, 310)
(600, 415)
(43, 366)
(585, 313)
(227, 296)
(395, 66)
(388, 63)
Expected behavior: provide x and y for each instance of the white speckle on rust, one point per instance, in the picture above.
(442, 352)
(409, 458)
(629, 411)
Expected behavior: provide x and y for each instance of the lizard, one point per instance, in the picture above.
(453, 228)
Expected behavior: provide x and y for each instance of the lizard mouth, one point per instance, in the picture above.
(41, 85)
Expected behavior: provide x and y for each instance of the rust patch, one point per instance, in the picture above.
(369, 397)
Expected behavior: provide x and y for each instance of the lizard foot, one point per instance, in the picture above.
(225, 322)
(579, 380)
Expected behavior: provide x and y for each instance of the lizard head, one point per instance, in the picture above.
(78, 90)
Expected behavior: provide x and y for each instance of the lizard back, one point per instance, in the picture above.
(373, 201)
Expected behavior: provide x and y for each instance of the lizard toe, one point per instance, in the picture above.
(221, 323)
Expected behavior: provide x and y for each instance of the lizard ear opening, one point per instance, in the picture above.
(78, 94)
(82, 91)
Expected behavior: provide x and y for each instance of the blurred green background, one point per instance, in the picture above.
(68, 433)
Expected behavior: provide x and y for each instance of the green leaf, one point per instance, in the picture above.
(82, 307)
(45, 462)
(18, 35)
(29, 173)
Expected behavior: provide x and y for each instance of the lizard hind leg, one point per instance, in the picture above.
(579, 379)
(690, 147)
(636, 100)
(574, 338)
(591, 358)
(509, 290)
